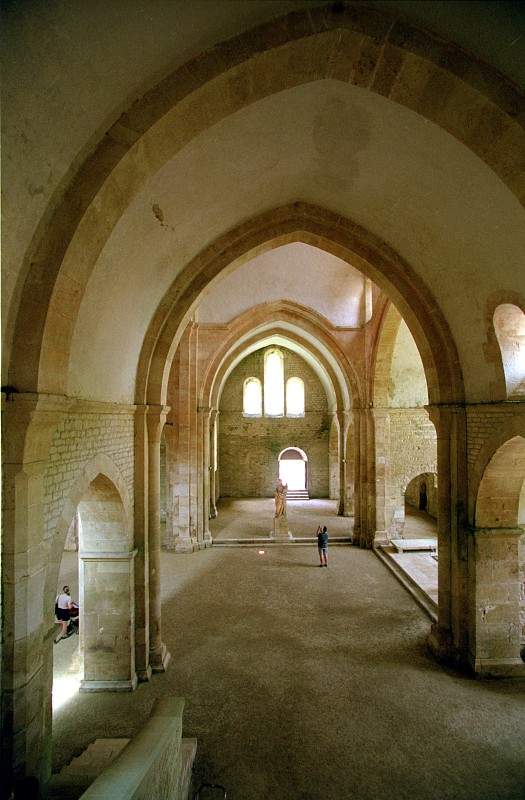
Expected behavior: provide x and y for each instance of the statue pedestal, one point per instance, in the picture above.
(280, 529)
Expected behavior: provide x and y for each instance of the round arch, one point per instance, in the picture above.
(388, 58)
(500, 489)
(510, 429)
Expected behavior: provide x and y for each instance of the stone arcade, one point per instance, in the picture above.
(193, 187)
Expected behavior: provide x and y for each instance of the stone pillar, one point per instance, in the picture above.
(449, 636)
(495, 589)
(342, 426)
(107, 621)
(141, 561)
(364, 528)
(29, 423)
(195, 442)
(184, 523)
(213, 460)
(206, 469)
(158, 655)
(382, 438)
(356, 424)
(350, 465)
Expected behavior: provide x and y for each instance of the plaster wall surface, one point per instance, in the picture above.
(249, 447)
(327, 143)
(408, 386)
(103, 74)
(297, 272)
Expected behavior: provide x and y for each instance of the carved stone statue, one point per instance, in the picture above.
(281, 491)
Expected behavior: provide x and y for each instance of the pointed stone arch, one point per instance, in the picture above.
(327, 231)
(355, 44)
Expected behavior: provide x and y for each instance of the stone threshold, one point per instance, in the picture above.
(308, 541)
(422, 598)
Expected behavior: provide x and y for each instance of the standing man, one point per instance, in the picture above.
(322, 545)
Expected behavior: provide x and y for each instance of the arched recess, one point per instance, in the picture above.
(387, 57)
(404, 436)
(500, 488)
(510, 342)
(106, 575)
(497, 562)
(509, 325)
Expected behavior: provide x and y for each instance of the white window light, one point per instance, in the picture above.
(294, 397)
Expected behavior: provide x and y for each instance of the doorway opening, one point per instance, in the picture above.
(293, 468)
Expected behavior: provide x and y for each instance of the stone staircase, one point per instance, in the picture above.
(297, 494)
(73, 779)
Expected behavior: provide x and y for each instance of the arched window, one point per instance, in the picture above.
(294, 397)
(273, 383)
(509, 325)
(252, 397)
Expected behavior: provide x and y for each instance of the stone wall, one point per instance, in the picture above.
(412, 451)
(88, 430)
(412, 494)
(249, 447)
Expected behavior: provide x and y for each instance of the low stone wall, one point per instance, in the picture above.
(155, 765)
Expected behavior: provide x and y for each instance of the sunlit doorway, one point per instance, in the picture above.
(292, 468)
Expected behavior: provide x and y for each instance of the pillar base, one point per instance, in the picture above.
(159, 659)
(440, 645)
(144, 675)
(499, 668)
(381, 539)
(109, 686)
(186, 545)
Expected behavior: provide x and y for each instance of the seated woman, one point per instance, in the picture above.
(63, 607)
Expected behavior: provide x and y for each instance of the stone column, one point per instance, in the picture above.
(184, 523)
(495, 589)
(206, 468)
(107, 620)
(382, 437)
(158, 655)
(140, 539)
(449, 636)
(213, 459)
(29, 423)
(364, 529)
(342, 420)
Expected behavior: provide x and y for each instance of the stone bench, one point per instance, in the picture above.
(155, 765)
(414, 545)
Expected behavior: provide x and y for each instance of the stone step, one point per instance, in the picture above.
(266, 542)
(297, 494)
(73, 779)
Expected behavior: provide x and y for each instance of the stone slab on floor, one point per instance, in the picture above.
(411, 545)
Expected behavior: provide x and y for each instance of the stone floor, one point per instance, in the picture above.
(304, 683)
(246, 518)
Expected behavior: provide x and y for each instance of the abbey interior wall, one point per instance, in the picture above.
(83, 434)
(411, 451)
(249, 447)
